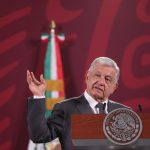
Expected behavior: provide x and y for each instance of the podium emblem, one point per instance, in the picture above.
(122, 126)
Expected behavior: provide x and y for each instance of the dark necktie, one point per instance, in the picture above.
(101, 107)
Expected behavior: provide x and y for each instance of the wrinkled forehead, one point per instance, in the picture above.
(103, 70)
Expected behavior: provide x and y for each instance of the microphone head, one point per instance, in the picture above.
(140, 107)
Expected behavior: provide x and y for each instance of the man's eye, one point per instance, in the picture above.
(108, 79)
(97, 75)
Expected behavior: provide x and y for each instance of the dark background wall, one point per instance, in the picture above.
(119, 29)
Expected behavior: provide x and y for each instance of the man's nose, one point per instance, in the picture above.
(101, 81)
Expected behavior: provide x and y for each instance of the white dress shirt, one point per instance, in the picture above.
(92, 102)
(38, 97)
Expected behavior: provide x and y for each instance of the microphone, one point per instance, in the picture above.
(140, 108)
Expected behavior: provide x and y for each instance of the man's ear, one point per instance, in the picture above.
(116, 86)
(86, 76)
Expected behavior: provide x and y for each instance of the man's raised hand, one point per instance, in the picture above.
(37, 88)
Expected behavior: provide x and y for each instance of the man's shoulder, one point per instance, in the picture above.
(118, 105)
(72, 100)
(69, 105)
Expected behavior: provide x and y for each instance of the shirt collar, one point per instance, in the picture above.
(92, 102)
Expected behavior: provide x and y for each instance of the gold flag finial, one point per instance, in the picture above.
(52, 27)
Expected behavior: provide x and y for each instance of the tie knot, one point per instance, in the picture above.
(101, 107)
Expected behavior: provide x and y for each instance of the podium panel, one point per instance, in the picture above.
(87, 134)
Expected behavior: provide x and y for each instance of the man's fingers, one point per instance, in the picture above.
(29, 78)
(34, 79)
(42, 78)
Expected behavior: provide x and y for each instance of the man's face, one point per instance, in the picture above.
(101, 82)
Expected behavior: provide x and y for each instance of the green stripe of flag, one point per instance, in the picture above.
(47, 65)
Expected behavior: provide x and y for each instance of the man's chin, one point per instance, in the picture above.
(99, 97)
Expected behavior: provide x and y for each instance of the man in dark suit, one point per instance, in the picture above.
(101, 80)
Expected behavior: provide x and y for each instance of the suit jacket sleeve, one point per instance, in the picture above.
(43, 130)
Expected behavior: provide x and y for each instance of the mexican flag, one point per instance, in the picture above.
(53, 70)
(53, 74)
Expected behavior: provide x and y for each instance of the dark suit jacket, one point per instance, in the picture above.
(43, 130)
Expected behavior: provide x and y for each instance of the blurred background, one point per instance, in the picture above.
(119, 29)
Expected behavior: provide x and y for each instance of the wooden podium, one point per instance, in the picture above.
(87, 134)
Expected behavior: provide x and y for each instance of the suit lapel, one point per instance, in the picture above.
(83, 106)
(110, 107)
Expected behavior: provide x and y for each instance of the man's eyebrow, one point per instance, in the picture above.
(97, 72)
(109, 76)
